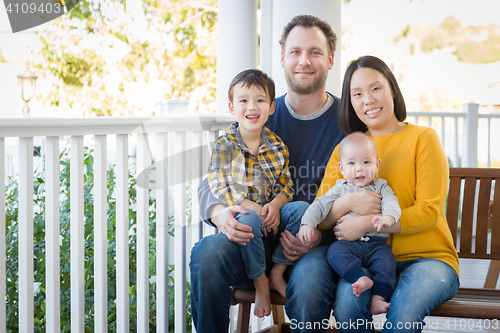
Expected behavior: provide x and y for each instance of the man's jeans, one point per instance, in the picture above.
(421, 285)
(216, 265)
(253, 253)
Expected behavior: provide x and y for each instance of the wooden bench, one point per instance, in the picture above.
(476, 235)
(469, 196)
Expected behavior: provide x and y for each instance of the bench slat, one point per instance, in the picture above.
(495, 220)
(483, 204)
(467, 215)
(453, 205)
(492, 276)
(458, 308)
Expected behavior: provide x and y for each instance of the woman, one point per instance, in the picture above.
(415, 167)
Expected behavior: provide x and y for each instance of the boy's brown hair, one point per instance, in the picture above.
(253, 77)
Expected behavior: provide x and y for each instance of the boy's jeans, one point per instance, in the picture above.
(253, 253)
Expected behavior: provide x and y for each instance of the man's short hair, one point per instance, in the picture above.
(309, 21)
(253, 77)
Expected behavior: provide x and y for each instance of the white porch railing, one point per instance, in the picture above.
(152, 138)
(466, 136)
(155, 138)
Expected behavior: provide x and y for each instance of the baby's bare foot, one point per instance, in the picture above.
(361, 285)
(379, 305)
(262, 297)
(278, 283)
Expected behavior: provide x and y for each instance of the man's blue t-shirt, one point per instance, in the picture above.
(310, 143)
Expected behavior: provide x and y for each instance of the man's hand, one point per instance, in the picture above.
(223, 218)
(293, 248)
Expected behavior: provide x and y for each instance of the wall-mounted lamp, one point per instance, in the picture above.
(27, 85)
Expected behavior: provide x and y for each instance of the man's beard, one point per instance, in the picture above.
(301, 89)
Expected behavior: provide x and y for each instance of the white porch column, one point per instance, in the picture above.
(236, 43)
(471, 122)
(283, 12)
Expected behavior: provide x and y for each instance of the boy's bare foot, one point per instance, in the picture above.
(276, 280)
(262, 297)
(361, 285)
(379, 305)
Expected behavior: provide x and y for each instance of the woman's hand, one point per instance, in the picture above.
(361, 203)
(365, 202)
(293, 248)
(351, 227)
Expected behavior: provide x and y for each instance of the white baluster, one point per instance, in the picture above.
(26, 309)
(100, 235)
(52, 225)
(122, 227)
(162, 233)
(199, 171)
(180, 233)
(77, 232)
(142, 187)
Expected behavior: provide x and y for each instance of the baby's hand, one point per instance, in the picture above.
(305, 233)
(383, 221)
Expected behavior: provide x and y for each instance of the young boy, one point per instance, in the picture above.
(249, 167)
(358, 163)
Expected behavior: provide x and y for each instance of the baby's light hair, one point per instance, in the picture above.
(356, 138)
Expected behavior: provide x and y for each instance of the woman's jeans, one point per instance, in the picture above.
(253, 253)
(421, 285)
(216, 266)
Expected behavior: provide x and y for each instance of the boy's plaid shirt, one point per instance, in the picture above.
(232, 168)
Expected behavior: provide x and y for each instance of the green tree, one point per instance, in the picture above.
(117, 57)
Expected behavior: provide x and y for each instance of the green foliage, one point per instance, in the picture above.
(472, 44)
(406, 31)
(479, 51)
(451, 23)
(12, 211)
(73, 70)
(106, 55)
(431, 44)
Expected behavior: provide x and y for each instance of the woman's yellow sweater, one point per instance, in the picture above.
(416, 168)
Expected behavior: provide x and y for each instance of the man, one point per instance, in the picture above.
(306, 121)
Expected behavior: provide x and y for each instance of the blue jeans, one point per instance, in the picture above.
(421, 285)
(311, 292)
(253, 253)
(216, 266)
